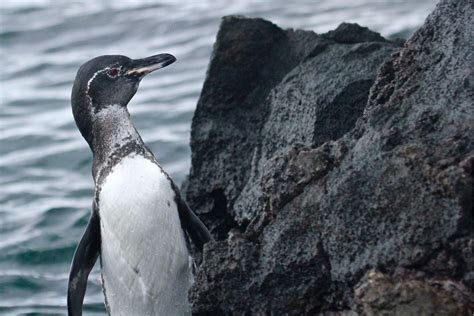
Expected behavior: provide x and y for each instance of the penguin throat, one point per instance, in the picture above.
(112, 131)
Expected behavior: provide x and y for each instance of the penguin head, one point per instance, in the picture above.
(109, 80)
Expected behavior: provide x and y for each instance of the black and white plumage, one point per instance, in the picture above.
(139, 223)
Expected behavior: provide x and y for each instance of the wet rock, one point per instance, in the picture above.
(332, 155)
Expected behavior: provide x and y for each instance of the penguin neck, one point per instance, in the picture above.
(114, 137)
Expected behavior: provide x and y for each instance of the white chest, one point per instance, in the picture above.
(145, 261)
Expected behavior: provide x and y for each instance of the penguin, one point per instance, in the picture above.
(140, 226)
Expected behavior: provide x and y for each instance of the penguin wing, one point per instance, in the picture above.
(84, 259)
(195, 228)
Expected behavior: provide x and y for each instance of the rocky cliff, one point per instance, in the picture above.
(335, 170)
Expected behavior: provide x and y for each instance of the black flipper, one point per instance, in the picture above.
(195, 228)
(84, 259)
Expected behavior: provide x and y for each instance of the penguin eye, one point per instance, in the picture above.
(113, 72)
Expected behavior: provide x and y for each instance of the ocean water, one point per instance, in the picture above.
(45, 179)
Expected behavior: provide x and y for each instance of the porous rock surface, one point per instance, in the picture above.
(335, 170)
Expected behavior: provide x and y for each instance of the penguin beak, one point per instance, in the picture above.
(142, 67)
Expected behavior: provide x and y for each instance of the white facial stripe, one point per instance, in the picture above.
(92, 78)
(89, 86)
(96, 74)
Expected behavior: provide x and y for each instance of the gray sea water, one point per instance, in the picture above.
(45, 178)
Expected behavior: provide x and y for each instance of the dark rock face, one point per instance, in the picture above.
(267, 89)
(309, 182)
(250, 57)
